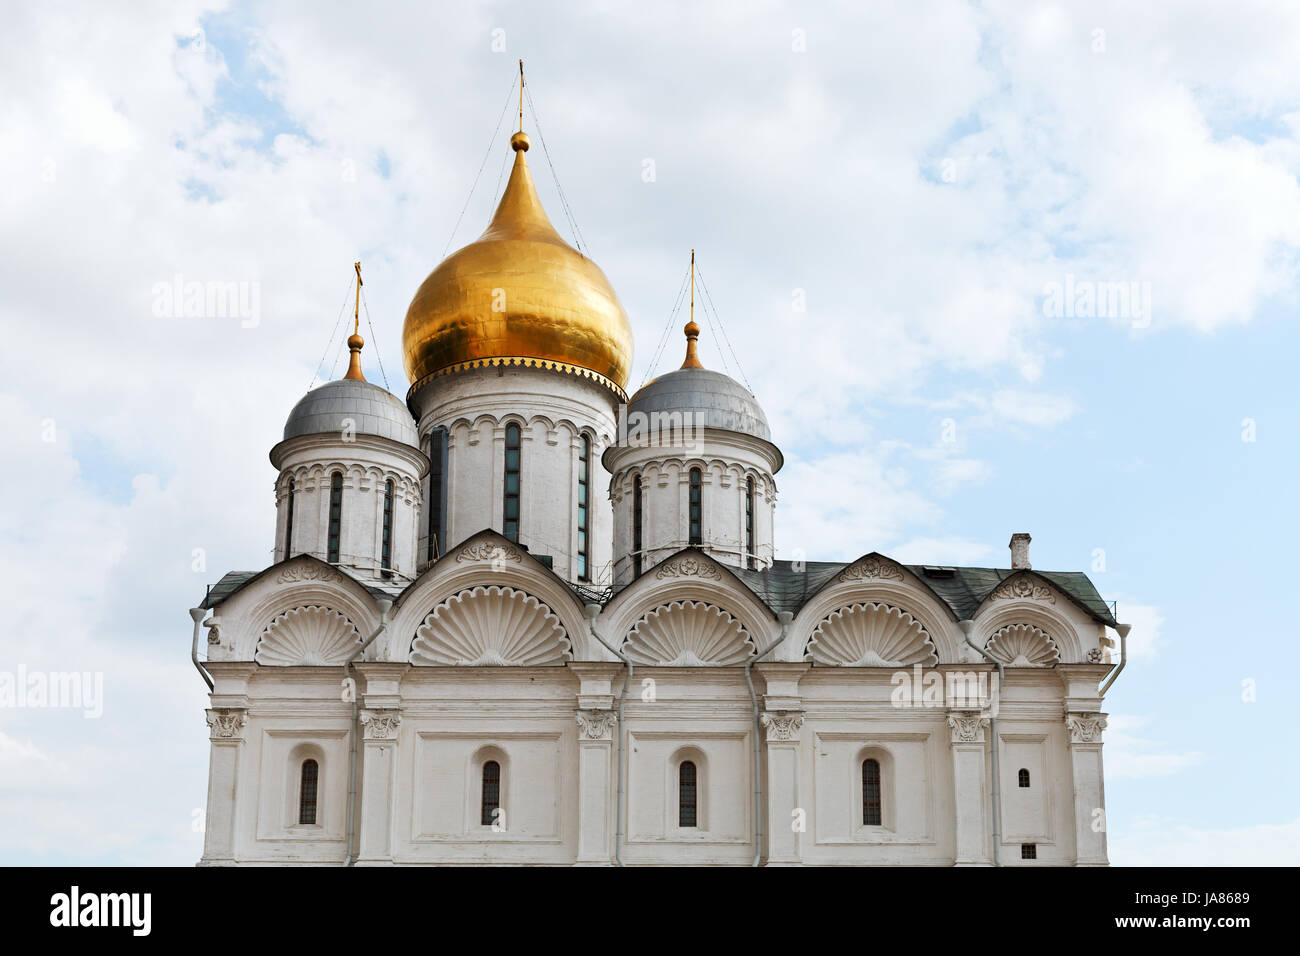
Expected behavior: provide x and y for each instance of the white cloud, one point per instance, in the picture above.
(1144, 641)
(1132, 757)
(1030, 408)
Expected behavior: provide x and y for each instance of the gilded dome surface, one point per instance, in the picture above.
(519, 294)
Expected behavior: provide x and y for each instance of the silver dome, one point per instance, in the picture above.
(373, 411)
(711, 398)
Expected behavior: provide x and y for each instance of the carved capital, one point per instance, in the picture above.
(596, 724)
(227, 723)
(380, 724)
(967, 728)
(781, 726)
(1085, 728)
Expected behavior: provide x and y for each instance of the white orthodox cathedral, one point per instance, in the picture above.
(520, 618)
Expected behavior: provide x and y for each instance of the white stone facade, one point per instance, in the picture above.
(489, 657)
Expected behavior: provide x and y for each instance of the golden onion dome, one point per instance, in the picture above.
(518, 295)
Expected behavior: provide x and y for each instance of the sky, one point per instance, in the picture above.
(989, 267)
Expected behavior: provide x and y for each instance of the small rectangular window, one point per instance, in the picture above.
(687, 795)
(307, 792)
(584, 553)
(510, 509)
(288, 524)
(386, 551)
(336, 517)
(1029, 851)
(491, 793)
(871, 793)
(636, 527)
(696, 506)
(437, 533)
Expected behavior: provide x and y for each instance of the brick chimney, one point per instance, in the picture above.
(1020, 552)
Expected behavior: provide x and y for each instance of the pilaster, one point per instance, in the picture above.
(970, 784)
(1085, 730)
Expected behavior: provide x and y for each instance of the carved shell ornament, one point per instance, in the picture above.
(491, 627)
(312, 636)
(688, 634)
(1023, 645)
(871, 635)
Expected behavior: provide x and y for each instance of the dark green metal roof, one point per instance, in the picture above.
(783, 588)
(230, 582)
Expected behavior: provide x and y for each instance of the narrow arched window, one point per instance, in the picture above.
(511, 509)
(696, 505)
(749, 523)
(288, 523)
(871, 793)
(1024, 777)
(491, 793)
(386, 547)
(307, 792)
(687, 795)
(584, 539)
(336, 516)
(437, 533)
(636, 526)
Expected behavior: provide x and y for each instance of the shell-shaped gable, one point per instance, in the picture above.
(311, 635)
(1023, 645)
(491, 626)
(688, 634)
(871, 635)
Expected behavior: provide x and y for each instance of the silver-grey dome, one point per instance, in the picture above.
(373, 411)
(711, 398)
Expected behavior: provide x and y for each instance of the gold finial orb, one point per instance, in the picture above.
(692, 354)
(355, 342)
(519, 294)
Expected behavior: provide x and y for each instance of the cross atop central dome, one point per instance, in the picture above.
(518, 295)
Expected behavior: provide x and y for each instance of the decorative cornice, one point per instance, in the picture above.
(967, 728)
(1023, 588)
(227, 723)
(596, 724)
(781, 726)
(520, 361)
(1085, 728)
(688, 567)
(871, 567)
(488, 551)
(307, 572)
(380, 724)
